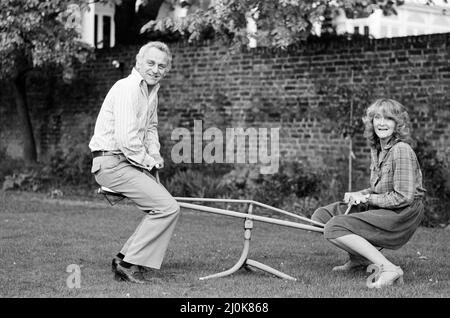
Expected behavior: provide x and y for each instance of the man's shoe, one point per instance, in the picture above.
(355, 262)
(146, 270)
(132, 274)
(116, 260)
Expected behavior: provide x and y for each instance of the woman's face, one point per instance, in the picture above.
(384, 126)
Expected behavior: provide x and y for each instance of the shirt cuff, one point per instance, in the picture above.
(149, 162)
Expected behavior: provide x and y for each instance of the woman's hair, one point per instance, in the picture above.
(391, 109)
(158, 45)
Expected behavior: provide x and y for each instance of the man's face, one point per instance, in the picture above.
(153, 66)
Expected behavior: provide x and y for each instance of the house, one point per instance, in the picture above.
(98, 25)
(105, 24)
(414, 17)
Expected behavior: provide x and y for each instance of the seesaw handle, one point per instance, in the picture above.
(157, 176)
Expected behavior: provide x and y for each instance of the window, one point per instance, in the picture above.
(366, 30)
(356, 30)
(95, 30)
(106, 31)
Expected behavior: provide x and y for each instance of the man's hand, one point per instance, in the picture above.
(355, 198)
(159, 161)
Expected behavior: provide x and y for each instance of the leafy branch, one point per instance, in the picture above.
(279, 23)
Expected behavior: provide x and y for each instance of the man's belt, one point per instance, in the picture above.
(100, 153)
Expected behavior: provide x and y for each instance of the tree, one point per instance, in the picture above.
(279, 23)
(342, 110)
(35, 34)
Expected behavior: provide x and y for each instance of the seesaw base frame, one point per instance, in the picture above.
(243, 261)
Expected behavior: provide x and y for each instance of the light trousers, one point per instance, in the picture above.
(148, 244)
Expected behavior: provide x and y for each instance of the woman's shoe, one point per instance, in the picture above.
(354, 262)
(387, 275)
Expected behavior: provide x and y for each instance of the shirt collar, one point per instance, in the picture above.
(390, 143)
(378, 158)
(136, 76)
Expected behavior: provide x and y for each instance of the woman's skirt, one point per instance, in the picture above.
(381, 227)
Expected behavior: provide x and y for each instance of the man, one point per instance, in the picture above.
(125, 148)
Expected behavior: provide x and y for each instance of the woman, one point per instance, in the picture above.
(388, 213)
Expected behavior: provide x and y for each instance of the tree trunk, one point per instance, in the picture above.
(29, 145)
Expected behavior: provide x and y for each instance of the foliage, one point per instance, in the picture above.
(436, 180)
(68, 164)
(195, 184)
(16, 174)
(279, 23)
(296, 186)
(35, 33)
(9, 165)
(342, 109)
(71, 161)
(32, 179)
(345, 104)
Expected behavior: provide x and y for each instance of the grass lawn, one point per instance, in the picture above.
(40, 237)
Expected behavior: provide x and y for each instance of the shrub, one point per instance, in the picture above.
(9, 165)
(71, 168)
(436, 180)
(30, 180)
(70, 161)
(16, 174)
(67, 165)
(292, 179)
(296, 187)
(194, 183)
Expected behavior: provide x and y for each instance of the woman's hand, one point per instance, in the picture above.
(355, 198)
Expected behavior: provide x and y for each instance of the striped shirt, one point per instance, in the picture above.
(127, 121)
(395, 176)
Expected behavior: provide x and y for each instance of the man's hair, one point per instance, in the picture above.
(391, 109)
(158, 45)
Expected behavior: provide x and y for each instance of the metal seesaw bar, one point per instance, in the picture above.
(244, 261)
(250, 216)
(250, 202)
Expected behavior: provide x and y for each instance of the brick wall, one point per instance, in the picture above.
(266, 88)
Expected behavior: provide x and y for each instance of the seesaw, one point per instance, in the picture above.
(249, 217)
(244, 261)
